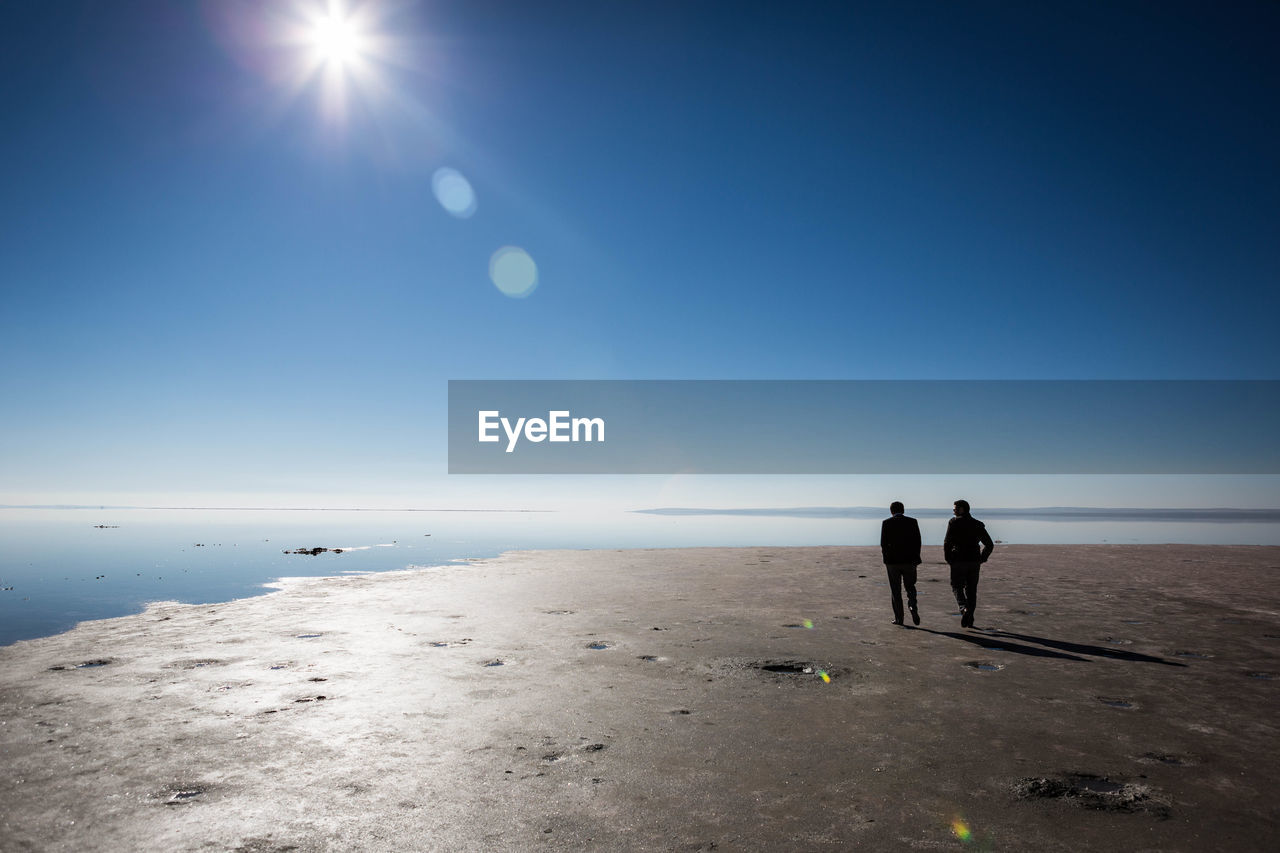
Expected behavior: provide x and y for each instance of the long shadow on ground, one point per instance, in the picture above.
(1085, 649)
(986, 641)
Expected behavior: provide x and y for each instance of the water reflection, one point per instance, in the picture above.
(58, 567)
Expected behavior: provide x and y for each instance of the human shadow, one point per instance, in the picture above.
(1085, 649)
(985, 641)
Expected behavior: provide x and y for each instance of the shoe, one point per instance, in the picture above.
(897, 621)
(966, 618)
(915, 616)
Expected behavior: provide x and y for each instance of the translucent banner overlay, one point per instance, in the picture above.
(864, 427)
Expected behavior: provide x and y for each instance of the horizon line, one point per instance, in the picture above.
(1069, 512)
(264, 508)
(862, 512)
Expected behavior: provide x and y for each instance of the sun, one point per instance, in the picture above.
(342, 54)
(335, 40)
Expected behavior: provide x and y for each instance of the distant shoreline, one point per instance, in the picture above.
(264, 508)
(1050, 513)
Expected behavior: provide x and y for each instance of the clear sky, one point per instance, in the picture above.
(226, 274)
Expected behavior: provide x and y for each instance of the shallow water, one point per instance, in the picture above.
(59, 567)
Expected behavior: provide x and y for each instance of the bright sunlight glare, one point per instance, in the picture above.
(336, 40)
(342, 54)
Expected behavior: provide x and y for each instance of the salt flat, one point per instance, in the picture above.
(1111, 698)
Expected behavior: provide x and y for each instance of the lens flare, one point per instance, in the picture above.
(822, 673)
(513, 272)
(961, 830)
(808, 623)
(454, 192)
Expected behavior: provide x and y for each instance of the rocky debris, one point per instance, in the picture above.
(314, 551)
(1093, 792)
(89, 664)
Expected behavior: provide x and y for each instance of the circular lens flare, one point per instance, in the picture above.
(454, 192)
(513, 272)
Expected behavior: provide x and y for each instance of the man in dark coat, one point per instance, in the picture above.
(966, 547)
(900, 548)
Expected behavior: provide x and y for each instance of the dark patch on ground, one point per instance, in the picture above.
(1093, 792)
(180, 793)
(89, 664)
(264, 845)
(792, 670)
(197, 663)
(789, 667)
(984, 665)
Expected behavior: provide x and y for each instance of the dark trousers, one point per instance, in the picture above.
(964, 583)
(901, 574)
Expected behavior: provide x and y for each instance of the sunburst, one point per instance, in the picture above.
(339, 52)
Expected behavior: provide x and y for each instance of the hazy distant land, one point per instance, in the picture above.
(1044, 513)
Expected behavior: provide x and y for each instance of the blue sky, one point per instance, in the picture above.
(212, 286)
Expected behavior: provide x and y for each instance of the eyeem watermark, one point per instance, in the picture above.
(558, 426)
(864, 427)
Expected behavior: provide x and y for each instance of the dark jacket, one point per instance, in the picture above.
(964, 536)
(900, 540)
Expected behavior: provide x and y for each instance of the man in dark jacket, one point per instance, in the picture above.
(966, 547)
(900, 547)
